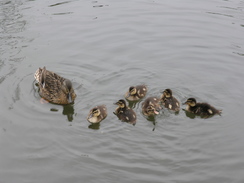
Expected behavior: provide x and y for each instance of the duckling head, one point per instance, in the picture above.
(191, 102)
(167, 93)
(151, 110)
(132, 91)
(94, 113)
(121, 103)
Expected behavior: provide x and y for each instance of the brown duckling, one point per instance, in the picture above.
(54, 88)
(151, 106)
(97, 114)
(169, 101)
(136, 92)
(203, 109)
(124, 113)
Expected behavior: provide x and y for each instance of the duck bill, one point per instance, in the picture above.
(156, 112)
(185, 103)
(69, 98)
(126, 96)
(90, 116)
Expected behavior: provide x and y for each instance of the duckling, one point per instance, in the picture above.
(151, 106)
(169, 101)
(124, 113)
(136, 92)
(54, 88)
(97, 114)
(203, 109)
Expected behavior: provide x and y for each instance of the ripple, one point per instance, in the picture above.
(193, 48)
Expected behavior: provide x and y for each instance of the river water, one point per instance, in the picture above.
(196, 48)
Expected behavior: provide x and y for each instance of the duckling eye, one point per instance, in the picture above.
(94, 111)
(131, 88)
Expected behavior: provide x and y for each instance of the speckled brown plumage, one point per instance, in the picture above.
(136, 92)
(54, 88)
(124, 113)
(151, 106)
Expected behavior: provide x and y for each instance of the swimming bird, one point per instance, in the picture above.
(151, 106)
(136, 92)
(54, 88)
(97, 114)
(202, 109)
(125, 113)
(169, 101)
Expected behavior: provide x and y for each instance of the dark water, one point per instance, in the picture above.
(193, 47)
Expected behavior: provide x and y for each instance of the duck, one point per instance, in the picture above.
(97, 114)
(54, 88)
(136, 92)
(169, 101)
(151, 106)
(202, 109)
(125, 113)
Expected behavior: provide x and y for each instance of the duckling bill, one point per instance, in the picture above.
(124, 113)
(53, 87)
(136, 92)
(169, 101)
(97, 114)
(202, 109)
(151, 106)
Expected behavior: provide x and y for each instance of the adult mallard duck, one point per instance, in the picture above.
(136, 92)
(203, 109)
(169, 101)
(54, 88)
(97, 114)
(151, 106)
(124, 113)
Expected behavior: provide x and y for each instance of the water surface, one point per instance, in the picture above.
(193, 47)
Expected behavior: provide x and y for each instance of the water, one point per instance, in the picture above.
(193, 47)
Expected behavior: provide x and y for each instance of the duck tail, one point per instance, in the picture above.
(38, 74)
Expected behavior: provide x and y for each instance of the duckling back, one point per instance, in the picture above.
(204, 109)
(171, 103)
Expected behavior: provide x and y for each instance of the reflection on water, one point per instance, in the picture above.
(189, 114)
(152, 119)
(132, 104)
(68, 110)
(94, 126)
(103, 49)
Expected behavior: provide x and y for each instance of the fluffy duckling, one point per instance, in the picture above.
(124, 113)
(54, 88)
(151, 106)
(203, 109)
(97, 114)
(136, 92)
(169, 101)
